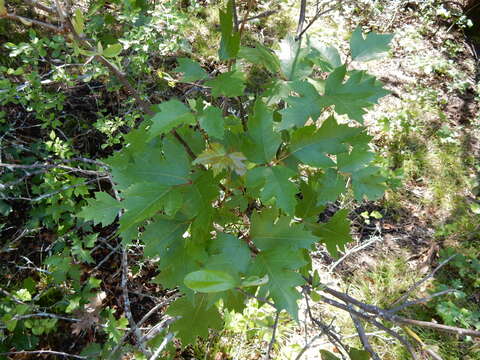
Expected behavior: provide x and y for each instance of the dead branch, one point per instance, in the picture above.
(272, 340)
(418, 283)
(42, 352)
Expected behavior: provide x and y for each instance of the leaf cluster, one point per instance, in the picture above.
(240, 217)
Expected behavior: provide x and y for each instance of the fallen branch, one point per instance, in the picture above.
(418, 283)
(42, 352)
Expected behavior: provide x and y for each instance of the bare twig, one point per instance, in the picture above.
(315, 18)
(43, 314)
(50, 194)
(418, 283)
(272, 340)
(363, 337)
(261, 15)
(38, 5)
(162, 346)
(440, 327)
(387, 315)
(28, 22)
(42, 352)
(126, 303)
(326, 329)
(141, 322)
(400, 338)
(420, 301)
(308, 345)
(352, 251)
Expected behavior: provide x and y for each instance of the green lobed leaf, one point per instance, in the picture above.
(302, 107)
(293, 59)
(356, 354)
(161, 233)
(192, 71)
(101, 210)
(211, 120)
(142, 201)
(172, 114)
(283, 279)
(230, 42)
(260, 55)
(196, 319)
(368, 183)
(311, 148)
(330, 185)
(325, 57)
(216, 157)
(210, 281)
(354, 96)
(182, 257)
(371, 47)
(228, 253)
(274, 182)
(335, 234)
(354, 160)
(308, 206)
(77, 20)
(268, 234)
(263, 142)
(168, 167)
(327, 355)
(230, 84)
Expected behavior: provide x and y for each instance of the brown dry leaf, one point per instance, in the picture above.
(89, 314)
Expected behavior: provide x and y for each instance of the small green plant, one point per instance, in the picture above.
(462, 276)
(236, 194)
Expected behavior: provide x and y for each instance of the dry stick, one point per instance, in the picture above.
(308, 345)
(42, 352)
(398, 319)
(352, 251)
(418, 283)
(419, 301)
(363, 337)
(105, 259)
(440, 327)
(43, 314)
(50, 194)
(28, 22)
(261, 15)
(315, 18)
(126, 303)
(244, 21)
(164, 343)
(368, 318)
(272, 340)
(158, 328)
(332, 337)
(37, 4)
(140, 323)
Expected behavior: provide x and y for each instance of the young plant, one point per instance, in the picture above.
(227, 190)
